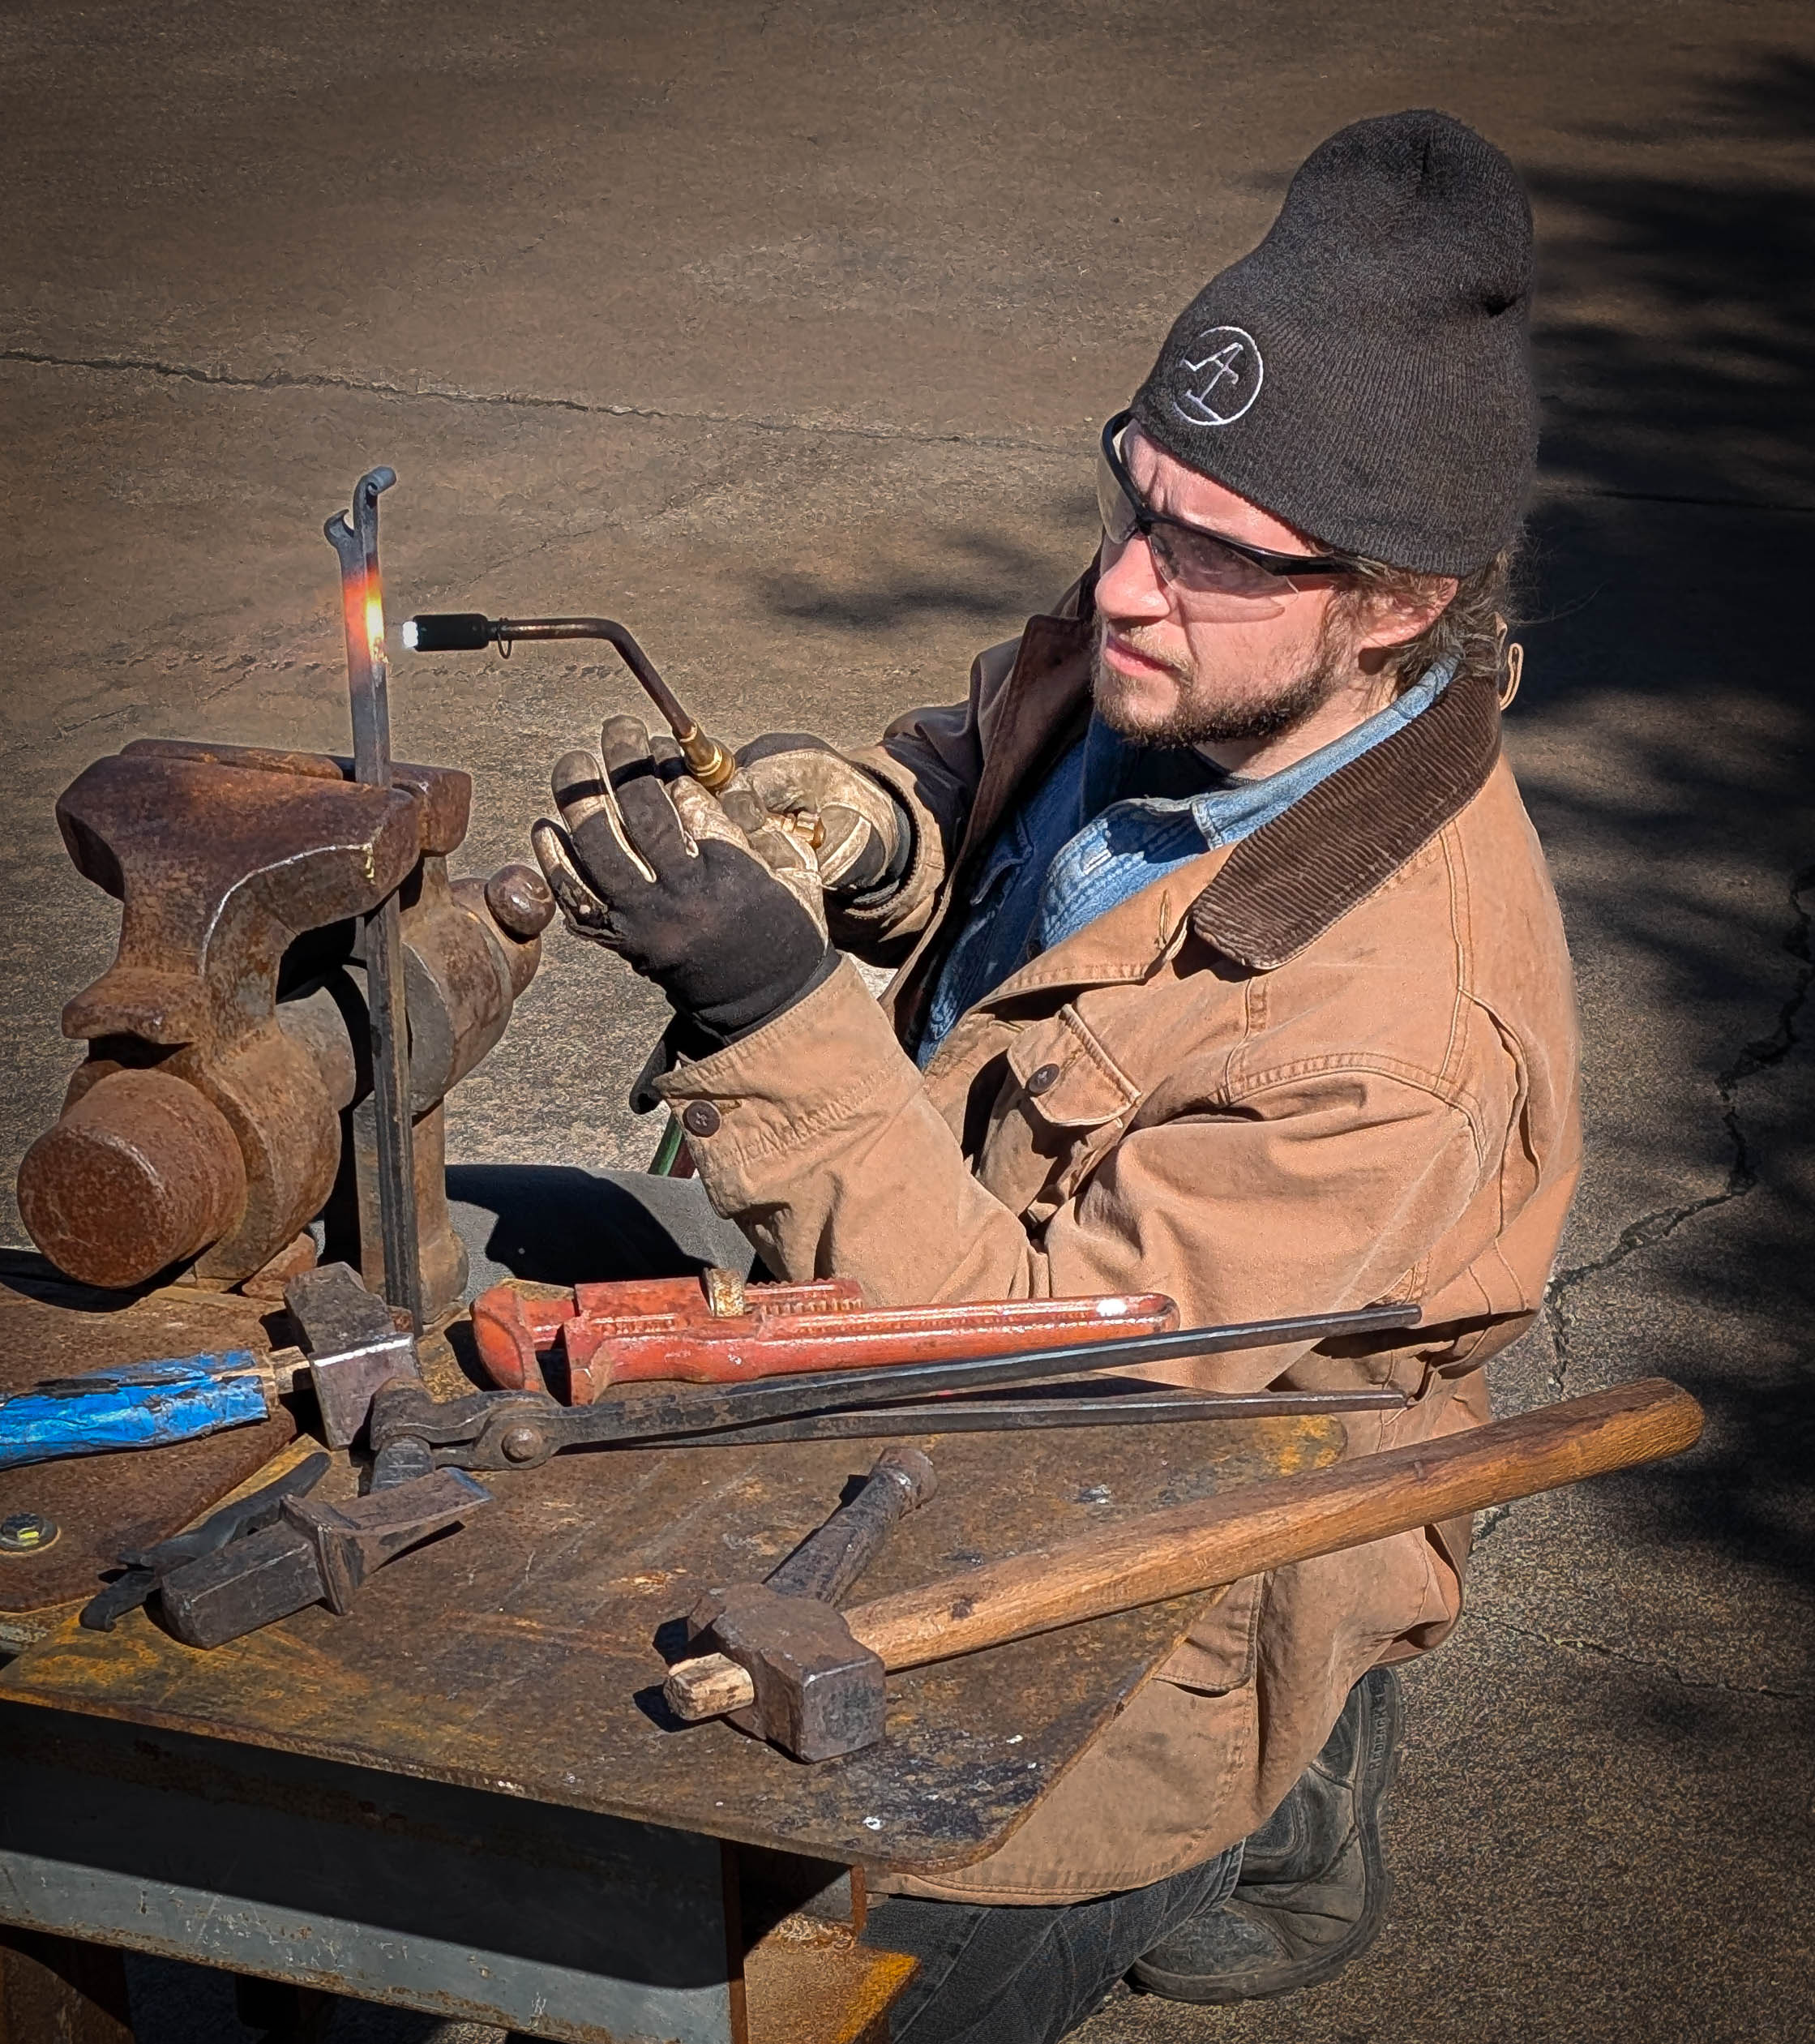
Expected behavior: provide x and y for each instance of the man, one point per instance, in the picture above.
(1228, 967)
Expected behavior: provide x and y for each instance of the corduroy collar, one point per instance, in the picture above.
(1281, 888)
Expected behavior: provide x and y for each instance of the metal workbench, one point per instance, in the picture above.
(466, 1797)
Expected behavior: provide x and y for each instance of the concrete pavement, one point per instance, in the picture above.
(780, 332)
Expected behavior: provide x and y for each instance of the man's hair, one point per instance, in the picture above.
(1471, 629)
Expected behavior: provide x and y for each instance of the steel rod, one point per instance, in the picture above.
(465, 631)
(701, 1408)
(355, 539)
(1004, 1416)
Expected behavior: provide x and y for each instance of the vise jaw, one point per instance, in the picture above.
(227, 1085)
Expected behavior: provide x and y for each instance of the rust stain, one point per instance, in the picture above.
(820, 1987)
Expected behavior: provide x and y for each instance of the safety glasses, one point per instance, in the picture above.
(1199, 562)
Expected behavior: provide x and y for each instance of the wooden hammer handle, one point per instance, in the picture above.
(1253, 1528)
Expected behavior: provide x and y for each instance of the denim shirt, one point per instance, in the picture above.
(1110, 819)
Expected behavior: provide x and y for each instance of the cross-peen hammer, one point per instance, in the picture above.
(1207, 1546)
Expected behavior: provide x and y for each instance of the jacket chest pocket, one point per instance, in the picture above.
(1063, 1106)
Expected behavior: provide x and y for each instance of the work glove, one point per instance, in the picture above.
(866, 840)
(644, 862)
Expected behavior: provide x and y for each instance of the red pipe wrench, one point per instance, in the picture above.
(715, 1329)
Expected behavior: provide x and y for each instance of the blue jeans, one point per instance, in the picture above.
(998, 1975)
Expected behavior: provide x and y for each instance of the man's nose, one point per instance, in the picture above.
(1128, 584)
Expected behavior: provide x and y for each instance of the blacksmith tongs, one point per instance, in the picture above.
(519, 1429)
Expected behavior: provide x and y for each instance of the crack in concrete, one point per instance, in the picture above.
(521, 400)
(34, 742)
(1756, 1056)
(1601, 1650)
(538, 400)
(1487, 1524)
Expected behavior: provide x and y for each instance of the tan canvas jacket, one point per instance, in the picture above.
(1333, 1064)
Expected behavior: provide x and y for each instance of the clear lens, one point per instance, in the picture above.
(1197, 562)
(1121, 519)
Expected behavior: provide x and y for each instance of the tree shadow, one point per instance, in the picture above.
(1667, 563)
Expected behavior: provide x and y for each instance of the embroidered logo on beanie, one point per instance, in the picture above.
(1221, 372)
(1393, 291)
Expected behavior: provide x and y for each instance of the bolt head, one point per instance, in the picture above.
(27, 1532)
(522, 1444)
(520, 901)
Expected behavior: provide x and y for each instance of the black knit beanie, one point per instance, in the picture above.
(1363, 373)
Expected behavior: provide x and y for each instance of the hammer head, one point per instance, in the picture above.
(819, 1694)
(354, 1346)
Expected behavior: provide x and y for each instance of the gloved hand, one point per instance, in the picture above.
(644, 862)
(866, 839)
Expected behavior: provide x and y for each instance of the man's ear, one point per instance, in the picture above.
(1391, 617)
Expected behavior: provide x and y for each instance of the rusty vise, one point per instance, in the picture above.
(226, 1095)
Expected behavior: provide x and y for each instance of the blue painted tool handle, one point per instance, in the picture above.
(145, 1405)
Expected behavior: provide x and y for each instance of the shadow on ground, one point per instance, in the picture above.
(1674, 346)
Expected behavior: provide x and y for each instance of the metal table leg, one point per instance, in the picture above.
(61, 1989)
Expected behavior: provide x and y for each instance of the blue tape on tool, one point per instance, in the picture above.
(143, 1405)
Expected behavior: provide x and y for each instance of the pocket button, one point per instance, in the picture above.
(1042, 1079)
(699, 1118)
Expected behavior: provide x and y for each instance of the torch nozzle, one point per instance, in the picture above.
(449, 631)
(468, 630)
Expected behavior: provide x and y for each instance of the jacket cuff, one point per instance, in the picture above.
(753, 1111)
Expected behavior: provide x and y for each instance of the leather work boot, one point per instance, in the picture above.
(1314, 1885)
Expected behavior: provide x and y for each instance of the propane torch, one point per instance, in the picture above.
(709, 763)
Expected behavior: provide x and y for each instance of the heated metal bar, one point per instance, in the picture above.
(354, 538)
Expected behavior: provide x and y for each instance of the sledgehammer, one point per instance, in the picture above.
(1207, 1546)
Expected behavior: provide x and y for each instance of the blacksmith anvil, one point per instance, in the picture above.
(226, 1096)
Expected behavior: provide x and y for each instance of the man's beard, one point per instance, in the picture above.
(1192, 723)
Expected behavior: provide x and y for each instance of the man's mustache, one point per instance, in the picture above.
(1139, 636)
